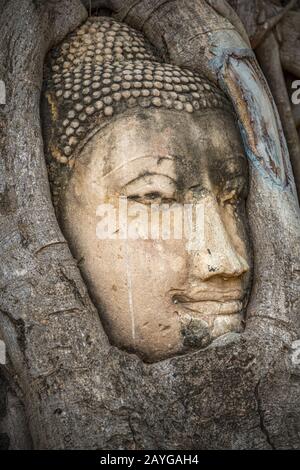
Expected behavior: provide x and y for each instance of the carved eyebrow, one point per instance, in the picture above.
(147, 173)
(158, 157)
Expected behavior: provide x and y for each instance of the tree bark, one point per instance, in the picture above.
(268, 54)
(274, 32)
(290, 50)
(78, 391)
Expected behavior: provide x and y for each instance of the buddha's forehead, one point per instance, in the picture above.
(168, 141)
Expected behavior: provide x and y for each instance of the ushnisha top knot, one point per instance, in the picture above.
(105, 67)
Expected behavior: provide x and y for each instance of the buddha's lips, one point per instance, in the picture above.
(210, 307)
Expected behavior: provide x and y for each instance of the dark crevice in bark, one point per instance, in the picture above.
(261, 416)
(124, 16)
(48, 245)
(136, 447)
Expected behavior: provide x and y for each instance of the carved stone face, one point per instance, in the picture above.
(161, 297)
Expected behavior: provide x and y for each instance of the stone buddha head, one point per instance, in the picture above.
(149, 181)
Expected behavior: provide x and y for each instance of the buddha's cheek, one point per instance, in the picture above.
(134, 280)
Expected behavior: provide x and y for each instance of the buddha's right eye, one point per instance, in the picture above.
(154, 197)
(133, 197)
(151, 189)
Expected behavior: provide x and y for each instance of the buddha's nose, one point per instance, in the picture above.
(216, 254)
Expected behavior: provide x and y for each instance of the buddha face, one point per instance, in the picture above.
(163, 294)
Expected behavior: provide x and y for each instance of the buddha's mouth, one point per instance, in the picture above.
(213, 307)
(212, 303)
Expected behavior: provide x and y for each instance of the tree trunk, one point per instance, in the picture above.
(77, 390)
(274, 32)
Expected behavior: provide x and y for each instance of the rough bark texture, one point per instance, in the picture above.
(78, 391)
(274, 33)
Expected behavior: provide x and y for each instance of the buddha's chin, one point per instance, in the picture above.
(191, 332)
(174, 329)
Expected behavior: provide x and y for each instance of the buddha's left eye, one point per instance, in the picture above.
(230, 198)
